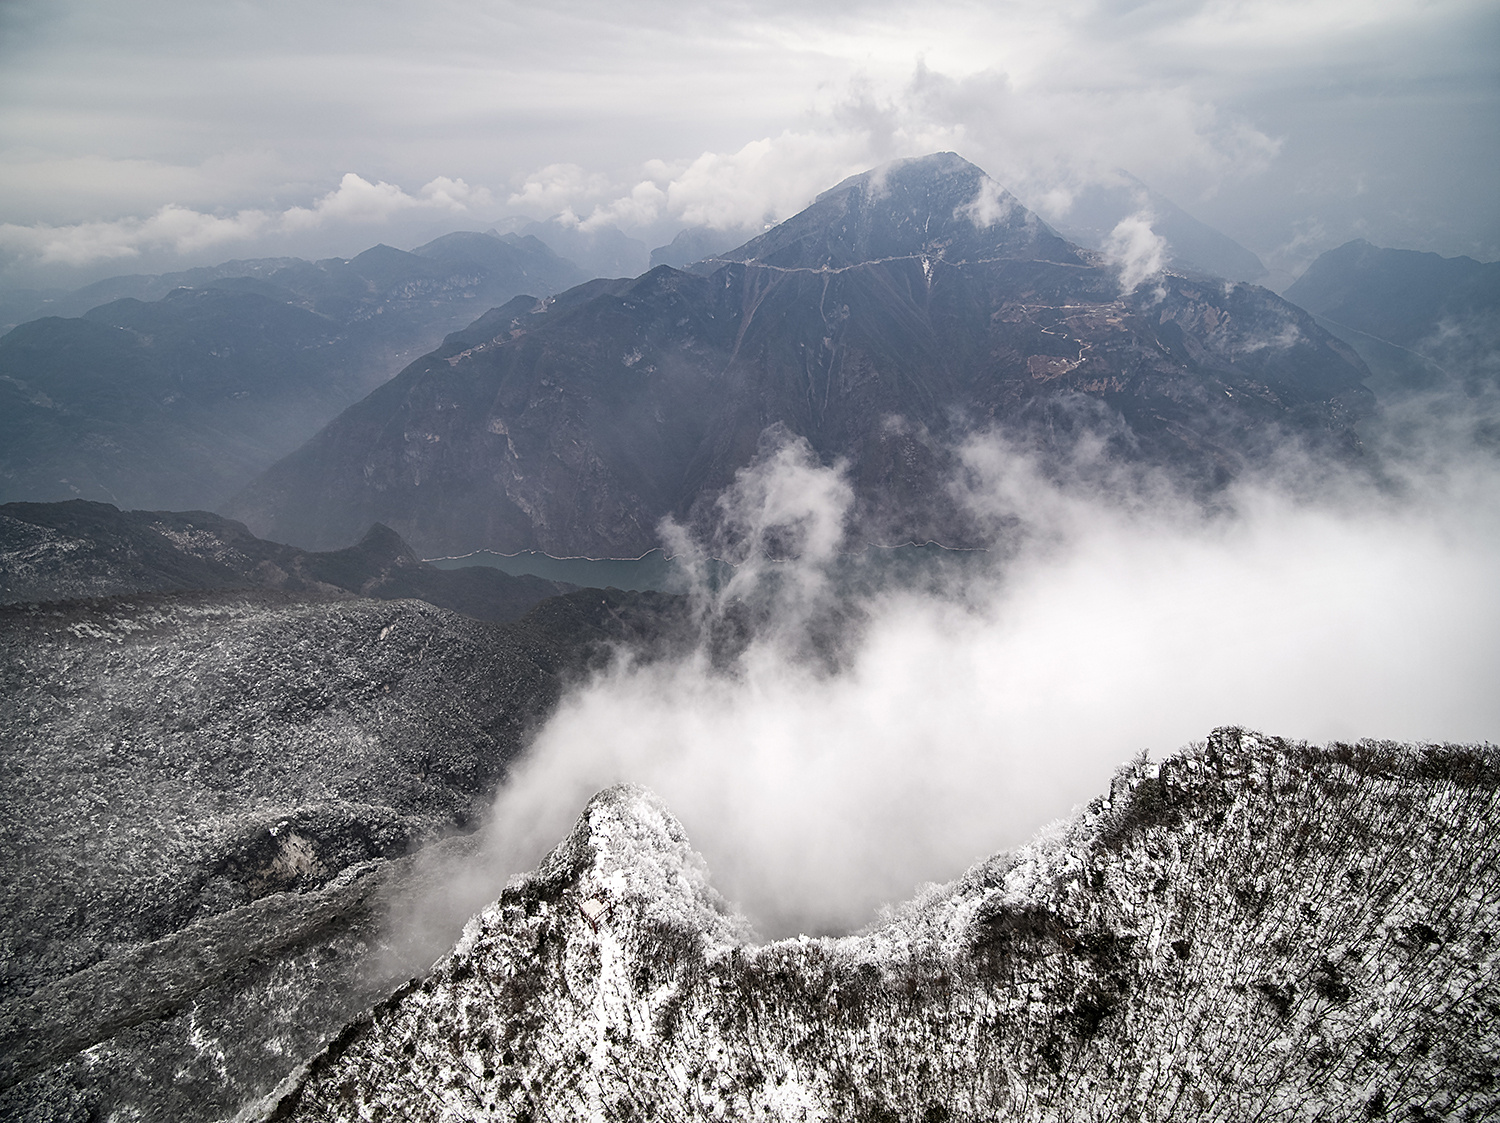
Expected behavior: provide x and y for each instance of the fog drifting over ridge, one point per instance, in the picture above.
(1121, 616)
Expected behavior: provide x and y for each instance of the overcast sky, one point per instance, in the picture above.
(158, 134)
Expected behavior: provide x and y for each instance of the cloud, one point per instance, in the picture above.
(356, 201)
(172, 227)
(991, 205)
(1239, 109)
(760, 183)
(765, 181)
(557, 188)
(360, 201)
(781, 525)
(1042, 139)
(1115, 615)
(642, 207)
(1135, 249)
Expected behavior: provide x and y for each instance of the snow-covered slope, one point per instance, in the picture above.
(1255, 929)
(211, 802)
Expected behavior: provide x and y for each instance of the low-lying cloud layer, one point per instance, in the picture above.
(1114, 616)
(182, 230)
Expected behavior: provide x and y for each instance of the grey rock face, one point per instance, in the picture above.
(901, 313)
(1255, 929)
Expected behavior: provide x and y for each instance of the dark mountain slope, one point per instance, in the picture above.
(1397, 295)
(170, 402)
(1422, 322)
(57, 551)
(1252, 930)
(904, 311)
(180, 390)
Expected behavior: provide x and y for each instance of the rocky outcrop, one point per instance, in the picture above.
(903, 312)
(1253, 929)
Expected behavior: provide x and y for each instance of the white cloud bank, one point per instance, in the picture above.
(728, 115)
(1125, 618)
(1044, 142)
(761, 183)
(1136, 250)
(182, 230)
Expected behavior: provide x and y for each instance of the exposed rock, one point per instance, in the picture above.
(1254, 929)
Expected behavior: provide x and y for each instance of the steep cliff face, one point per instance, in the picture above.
(1254, 929)
(904, 311)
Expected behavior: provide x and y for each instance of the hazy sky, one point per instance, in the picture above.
(157, 133)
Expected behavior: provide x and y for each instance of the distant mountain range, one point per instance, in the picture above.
(1401, 296)
(903, 311)
(603, 251)
(692, 245)
(173, 391)
(1422, 322)
(380, 282)
(1191, 246)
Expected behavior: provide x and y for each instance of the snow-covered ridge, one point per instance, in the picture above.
(1253, 929)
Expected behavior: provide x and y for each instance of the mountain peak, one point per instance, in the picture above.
(935, 206)
(627, 837)
(932, 169)
(381, 542)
